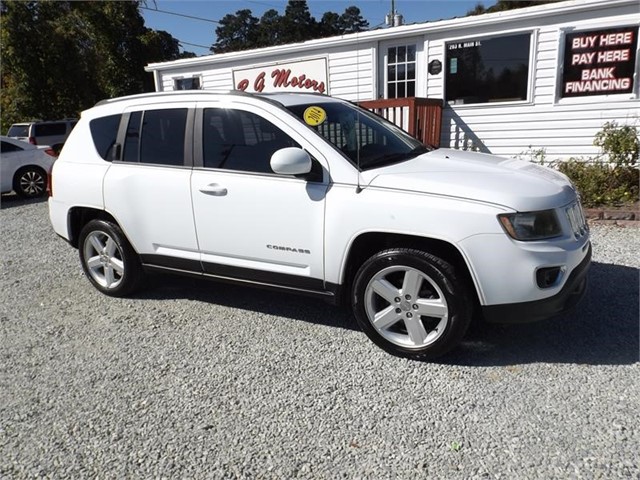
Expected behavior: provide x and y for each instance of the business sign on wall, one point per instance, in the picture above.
(599, 62)
(301, 76)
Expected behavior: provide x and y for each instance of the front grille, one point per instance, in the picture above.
(577, 219)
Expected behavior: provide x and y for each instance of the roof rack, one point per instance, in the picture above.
(173, 93)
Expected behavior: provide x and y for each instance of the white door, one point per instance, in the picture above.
(148, 191)
(251, 223)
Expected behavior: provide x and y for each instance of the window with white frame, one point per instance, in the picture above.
(192, 83)
(401, 71)
(484, 70)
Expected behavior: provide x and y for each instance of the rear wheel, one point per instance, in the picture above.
(411, 303)
(30, 182)
(108, 260)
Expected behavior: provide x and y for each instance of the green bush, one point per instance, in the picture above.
(613, 178)
(600, 183)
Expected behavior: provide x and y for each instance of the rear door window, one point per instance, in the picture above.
(156, 137)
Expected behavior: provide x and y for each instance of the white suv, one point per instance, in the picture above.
(314, 195)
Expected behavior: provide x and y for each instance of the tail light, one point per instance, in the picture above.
(50, 183)
(51, 152)
(32, 141)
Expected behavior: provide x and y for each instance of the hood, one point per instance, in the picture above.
(515, 184)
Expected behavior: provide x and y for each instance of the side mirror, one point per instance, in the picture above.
(291, 161)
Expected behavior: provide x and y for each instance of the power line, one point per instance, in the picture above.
(179, 14)
(193, 44)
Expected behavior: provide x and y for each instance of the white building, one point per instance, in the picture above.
(545, 77)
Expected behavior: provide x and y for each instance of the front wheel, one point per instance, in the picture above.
(108, 259)
(411, 303)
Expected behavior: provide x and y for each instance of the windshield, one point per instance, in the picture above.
(367, 140)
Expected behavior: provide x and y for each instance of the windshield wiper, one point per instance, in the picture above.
(396, 157)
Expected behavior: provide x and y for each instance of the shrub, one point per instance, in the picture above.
(612, 178)
(600, 183)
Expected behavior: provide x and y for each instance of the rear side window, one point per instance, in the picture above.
(104, 132)
(50, 129)
(18, 131)
(10, 147)
(156, 137)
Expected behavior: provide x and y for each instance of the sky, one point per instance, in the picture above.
(198, 35)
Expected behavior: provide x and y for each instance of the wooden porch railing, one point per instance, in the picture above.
(421, 117)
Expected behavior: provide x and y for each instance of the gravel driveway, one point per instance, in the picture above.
(195, 379)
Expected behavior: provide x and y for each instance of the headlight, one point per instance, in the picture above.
(528, 226)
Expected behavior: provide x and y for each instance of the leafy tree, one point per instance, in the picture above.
(61, 57)
(242, 31)
(297, 24)
(351, 21)
(236, 32)
(269, 29)
(329, 25)
(502, 5)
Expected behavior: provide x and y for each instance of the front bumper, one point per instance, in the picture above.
(566, 299)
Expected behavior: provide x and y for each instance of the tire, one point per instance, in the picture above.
(411, 303)
(108, 260)
(30, 182)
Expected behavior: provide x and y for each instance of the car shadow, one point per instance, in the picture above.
(308, 309)
(10, 200)
(602, 330)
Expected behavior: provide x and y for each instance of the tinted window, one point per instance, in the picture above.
(18, 131)
(49, 129)
(104, 132)
(488, 69)
(132, 140)
(163, 133)
(10, 147)
(238, 140)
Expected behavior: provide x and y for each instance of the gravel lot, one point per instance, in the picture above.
(196, 379)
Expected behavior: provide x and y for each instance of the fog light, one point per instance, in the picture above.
(548, 277)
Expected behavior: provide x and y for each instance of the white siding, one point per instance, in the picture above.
(564, 128)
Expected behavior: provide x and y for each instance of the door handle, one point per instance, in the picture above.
(214, 189)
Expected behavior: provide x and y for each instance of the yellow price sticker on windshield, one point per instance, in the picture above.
(314, 116)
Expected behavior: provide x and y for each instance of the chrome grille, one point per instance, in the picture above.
(577, 219)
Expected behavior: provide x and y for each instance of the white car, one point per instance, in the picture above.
(313, 195)
(25, 168)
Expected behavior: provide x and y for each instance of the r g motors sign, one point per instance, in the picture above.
(599, 62)
(298, 76)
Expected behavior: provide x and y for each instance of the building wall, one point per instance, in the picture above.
(563, 128)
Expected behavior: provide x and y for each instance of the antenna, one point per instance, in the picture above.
(357, 122)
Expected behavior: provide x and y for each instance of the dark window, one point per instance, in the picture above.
(238, 140)
(104, 132)
(401, 71)
(50, 129)
(162, 139)
(488, 69)
(132, 140)
(10, 147)
(18, 131)
(186, 83)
